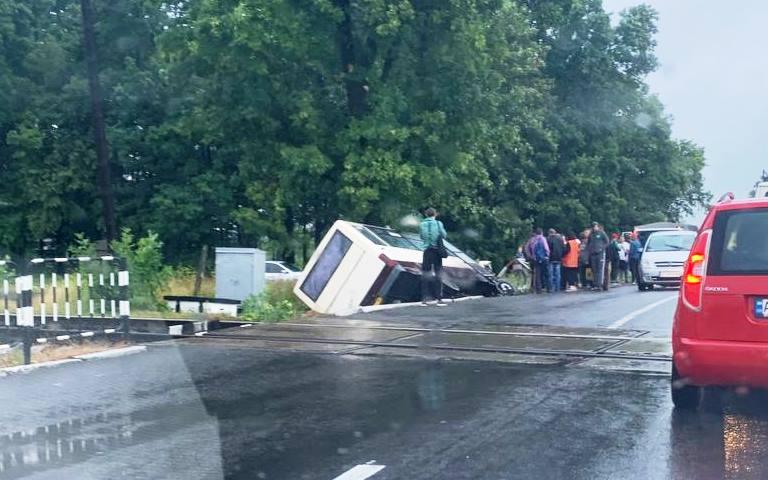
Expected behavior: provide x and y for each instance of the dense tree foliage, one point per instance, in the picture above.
(260, 122)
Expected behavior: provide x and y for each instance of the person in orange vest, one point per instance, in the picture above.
(571, 262)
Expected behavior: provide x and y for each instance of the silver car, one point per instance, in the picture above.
(663, 258)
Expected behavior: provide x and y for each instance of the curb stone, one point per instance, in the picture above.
(119, 352)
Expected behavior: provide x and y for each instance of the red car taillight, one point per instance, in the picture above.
(696, 271)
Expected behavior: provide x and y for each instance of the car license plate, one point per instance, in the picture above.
(761, 307)
(671, 273)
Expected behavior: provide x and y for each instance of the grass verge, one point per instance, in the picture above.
(62, 351)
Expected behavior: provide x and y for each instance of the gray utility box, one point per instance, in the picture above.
(239, 272)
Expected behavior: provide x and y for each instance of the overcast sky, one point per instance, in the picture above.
(713, 81)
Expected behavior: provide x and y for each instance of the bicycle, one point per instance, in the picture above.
(517, 273)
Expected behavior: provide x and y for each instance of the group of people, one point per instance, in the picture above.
(587, 261)
(559, 263)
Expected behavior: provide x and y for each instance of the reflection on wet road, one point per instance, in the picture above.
(210, 411)
(728, 438)
(70, 440)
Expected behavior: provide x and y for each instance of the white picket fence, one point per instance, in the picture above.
(67, 293)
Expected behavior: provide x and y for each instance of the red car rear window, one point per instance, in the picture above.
(740, 243)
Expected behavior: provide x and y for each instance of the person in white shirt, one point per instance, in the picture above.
(624, 259)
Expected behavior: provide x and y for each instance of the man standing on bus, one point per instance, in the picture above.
(432, 233)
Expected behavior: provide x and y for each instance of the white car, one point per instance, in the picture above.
(663, 258)
(279, 270)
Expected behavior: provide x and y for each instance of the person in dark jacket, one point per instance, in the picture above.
(584, 260)
(635, 252)
(597, 246)
(556, 244)
(527, 251)
(613, 257)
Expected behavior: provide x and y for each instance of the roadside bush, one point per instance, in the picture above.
(81, 247)
(145, 263)
(276, 303)
(282, 290)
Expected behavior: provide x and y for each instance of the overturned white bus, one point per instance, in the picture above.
(358, 265)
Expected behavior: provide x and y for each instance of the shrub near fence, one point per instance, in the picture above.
(276, 303)
(144, 259)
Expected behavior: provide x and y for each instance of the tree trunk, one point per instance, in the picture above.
(201, 270)
(289, 223)
(319, 230)
(97, 117)
(356, 87)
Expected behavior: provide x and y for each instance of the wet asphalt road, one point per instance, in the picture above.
(585, 309)
(213, 410)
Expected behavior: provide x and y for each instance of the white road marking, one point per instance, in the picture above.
(360, 472)
(631, 316)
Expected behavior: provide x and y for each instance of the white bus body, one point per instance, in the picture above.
(357, 265)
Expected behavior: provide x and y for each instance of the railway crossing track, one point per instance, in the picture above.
(542, 341)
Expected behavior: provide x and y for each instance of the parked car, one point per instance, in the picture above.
(720, 330)
(663, 258)
(279, 270)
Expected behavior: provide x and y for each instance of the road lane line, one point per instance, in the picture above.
(360, 472)
(631, 316)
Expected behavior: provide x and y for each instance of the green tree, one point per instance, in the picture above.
(260, 122)
(615, 160)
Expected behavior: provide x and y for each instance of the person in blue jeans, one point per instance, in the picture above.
(556, 244)
(538, 251)
(635, 252)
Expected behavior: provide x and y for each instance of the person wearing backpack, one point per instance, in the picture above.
(540, 254)
(432, 234)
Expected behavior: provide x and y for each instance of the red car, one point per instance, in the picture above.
(720, 331)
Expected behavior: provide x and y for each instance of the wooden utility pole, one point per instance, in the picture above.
(99, 127)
